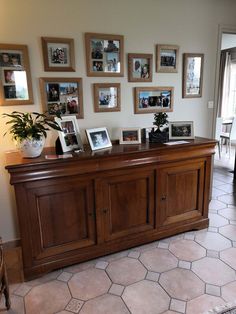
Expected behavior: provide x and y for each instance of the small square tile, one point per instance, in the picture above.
(184, 264)
(101, 265)
(116, 289)
(152, 276)
(134, 254)
(74, 305)
(213, 211)
(178, 306)
(189, 236)
(213, 290)
(212, 229)
(211, 253)
(163, 245)
(64, 276)
(22, 290)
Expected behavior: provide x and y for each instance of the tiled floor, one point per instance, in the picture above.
(189, 273)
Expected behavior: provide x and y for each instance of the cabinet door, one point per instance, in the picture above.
(62, 216)
(180, 189)
(126, 203)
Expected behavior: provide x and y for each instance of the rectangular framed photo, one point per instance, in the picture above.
(104, 54)
(192, 74)
(139, 67)
(153, 99)
(70, 135)
(15, 77)
(167, 58)
(181, 130)
(130, 136)
(62, 95)
(106, 97)
(58, 54)
(98, 138)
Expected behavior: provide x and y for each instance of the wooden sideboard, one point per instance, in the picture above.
(95, 203)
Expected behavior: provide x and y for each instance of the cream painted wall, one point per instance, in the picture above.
(191, 24)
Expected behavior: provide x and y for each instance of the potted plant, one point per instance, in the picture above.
(29, 130)
(160, 135)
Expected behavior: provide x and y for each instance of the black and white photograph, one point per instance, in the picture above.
(167, 58)
(98, 138)
(139, 67)
(181, 130)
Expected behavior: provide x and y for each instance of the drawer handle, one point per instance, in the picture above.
(163, 198)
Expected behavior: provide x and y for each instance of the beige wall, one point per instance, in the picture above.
(191, 24)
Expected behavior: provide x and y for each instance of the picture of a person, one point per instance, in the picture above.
(9, 76)
(5, 60)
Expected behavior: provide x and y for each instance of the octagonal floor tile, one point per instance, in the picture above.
(105, 304)
(213, 271)
(229, 292)
(214, 204)
(126, 271)
(146, 297)
(159, 260)
(228, 188)
(217, 220)
(17, 305)
(229, 257)
(89, 284)
(229, 199)
(203, 304)
(47, 298)
(229, 213)
(182, 284)
(187, 250)
(212, 241)
(229, 231)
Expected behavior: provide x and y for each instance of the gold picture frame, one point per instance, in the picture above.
(140, 67)
(167, 58)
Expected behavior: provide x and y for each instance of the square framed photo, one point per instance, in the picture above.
(192, 74)
(104, 54)
(62, 95)
(15, 77)
(139, 67)
(98, 138)
(70, 135)
(167, 58)
(106, 97)
(130, 136)
(58, 54)
(181, 130)
(153, 99)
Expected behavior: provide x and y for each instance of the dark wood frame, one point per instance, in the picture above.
(132, 56)
(47, 80)
(167, 69)
(22, 49)
(55, 40)
(153, 109)
(96, 89)
(88, 38)
(185, 65)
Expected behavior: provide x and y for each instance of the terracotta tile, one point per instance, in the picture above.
(146, 297)
(182, 284)
(229, 292)
(229, 199)
(146, 247)
(80, 267)
(115, 256)
(202, 304)
(47, 298)
(229, 213)
(89, 284)
(126, 271)
(159, 260)
(212, 241)
(214, 204)
(229, 232)
(229, 257)
(17, 306)
(116, 289)
(217, 220)
(105, 304)
(44, 279)
(187, 250)
(22, 290)
(213, 271)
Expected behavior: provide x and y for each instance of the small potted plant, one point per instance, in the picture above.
(29, 130)
(160, 135)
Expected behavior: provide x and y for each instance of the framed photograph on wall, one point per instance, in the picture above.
(130, 136)
(62, 95)
(192, 75)
(139, 67)
(106, 97)
(58, 54)
(70, 136)
(98, 138)
(153, 99)
(181, 130)
(15, 77)
(104, 54)
(167, 58)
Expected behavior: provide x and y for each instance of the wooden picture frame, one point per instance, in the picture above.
(140, 67)
(106, 97)
(181, 130)
(153, 99)
(15, 77)
(130, 136)
(58, 54)
(167, 58)
(104, 54)
(63, 95)
(192, 75)
(98, 138)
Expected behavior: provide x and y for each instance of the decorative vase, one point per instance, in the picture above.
(30, 147)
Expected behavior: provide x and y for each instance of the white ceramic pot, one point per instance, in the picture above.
(31, 148)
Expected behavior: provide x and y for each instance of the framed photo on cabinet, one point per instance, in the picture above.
(58, 54)
(15, 77)
(192, 75)
(181, 130)
(106, 97)
(98, 138)
(104, 54)
(130, 136)
(62, 95)
(167, 58)
(139, 67)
